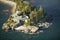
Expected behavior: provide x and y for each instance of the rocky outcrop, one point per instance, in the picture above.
(28, 29)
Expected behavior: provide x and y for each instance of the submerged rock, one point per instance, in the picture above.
(45, 24)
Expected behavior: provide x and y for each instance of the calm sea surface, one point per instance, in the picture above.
(52, 33)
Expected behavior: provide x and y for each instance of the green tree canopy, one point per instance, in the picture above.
(33, 16)
(40, 13)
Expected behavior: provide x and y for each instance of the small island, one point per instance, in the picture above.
(27, 18)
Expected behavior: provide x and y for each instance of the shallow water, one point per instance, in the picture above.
(52, 33)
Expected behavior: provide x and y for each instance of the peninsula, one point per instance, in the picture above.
(26, 18)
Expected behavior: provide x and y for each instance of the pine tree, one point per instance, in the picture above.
(40, 13)
(19, 4)
(33, 16)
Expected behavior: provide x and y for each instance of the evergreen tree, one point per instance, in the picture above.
(19, 4)
(40, 13)
(33, 16)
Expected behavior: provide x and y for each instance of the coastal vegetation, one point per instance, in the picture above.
(28, 9)
(27, 14)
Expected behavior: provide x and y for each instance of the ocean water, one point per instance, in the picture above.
(52, 33)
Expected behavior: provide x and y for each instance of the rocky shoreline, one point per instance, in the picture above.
(20, 21)
(39, 27)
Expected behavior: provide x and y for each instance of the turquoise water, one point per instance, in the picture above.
(52, 33)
